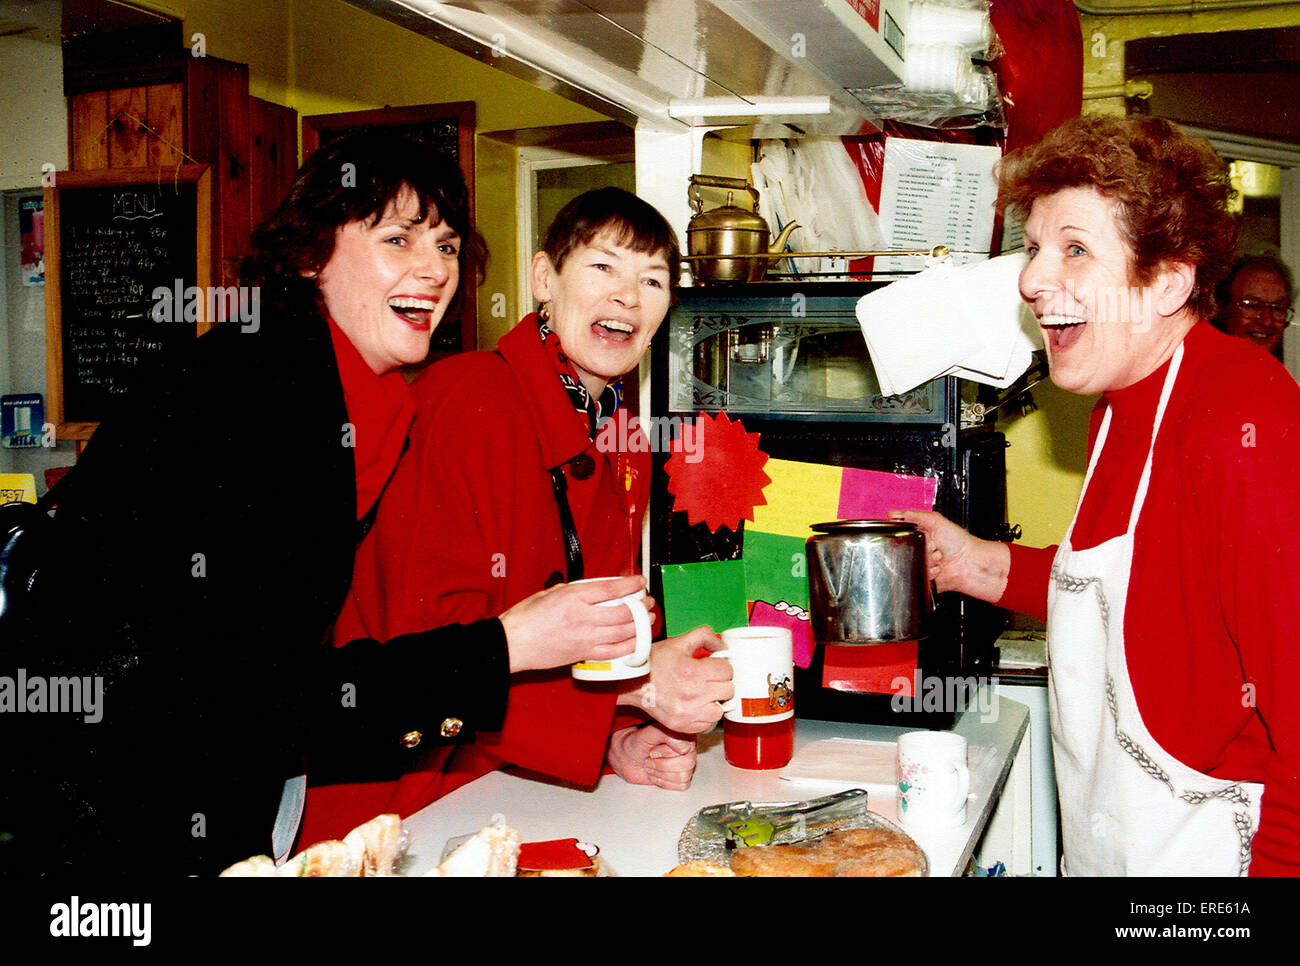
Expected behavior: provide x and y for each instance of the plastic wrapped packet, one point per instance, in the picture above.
(369, 850)
(960, 23)
(946, 83)
(491, 852)
(978, 105)
(813, 181)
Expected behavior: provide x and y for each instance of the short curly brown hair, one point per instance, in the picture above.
(1172, 190)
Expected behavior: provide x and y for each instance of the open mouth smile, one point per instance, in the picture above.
(614, 329)
(415, 310)
(1062, 331)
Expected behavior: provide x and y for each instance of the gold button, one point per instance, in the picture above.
(411, 739)
(451, 727)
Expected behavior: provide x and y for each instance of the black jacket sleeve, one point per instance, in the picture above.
(377, 705)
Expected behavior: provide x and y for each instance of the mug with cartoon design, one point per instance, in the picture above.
(762, 665)
(758, 723)
(933, 779)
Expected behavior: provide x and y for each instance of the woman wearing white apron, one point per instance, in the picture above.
(1127, 232)
(1107, 765)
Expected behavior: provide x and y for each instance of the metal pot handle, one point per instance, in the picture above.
(717, 181)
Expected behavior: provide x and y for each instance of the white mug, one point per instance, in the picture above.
(933, 779)
(762, 668)
(634, 665)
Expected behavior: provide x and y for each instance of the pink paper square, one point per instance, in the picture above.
(763, 614)
(871, 494)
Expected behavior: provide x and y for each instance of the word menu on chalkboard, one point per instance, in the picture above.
(120, 237)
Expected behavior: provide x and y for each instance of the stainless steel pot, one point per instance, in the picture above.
(867, 583)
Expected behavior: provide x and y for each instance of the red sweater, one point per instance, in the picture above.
(1212, 629)
(468, 527)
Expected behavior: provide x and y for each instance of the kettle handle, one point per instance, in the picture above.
(718, 181)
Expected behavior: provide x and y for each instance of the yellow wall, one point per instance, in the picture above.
(1104, 38)
(326, 56)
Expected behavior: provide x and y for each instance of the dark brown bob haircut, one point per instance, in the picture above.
(634, 223)
(355, 177)
(1171, 189)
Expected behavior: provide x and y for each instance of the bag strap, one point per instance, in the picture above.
(568, 532)
(572, 546)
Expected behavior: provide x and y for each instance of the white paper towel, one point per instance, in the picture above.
(963, 320)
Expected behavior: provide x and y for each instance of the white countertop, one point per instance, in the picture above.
(637, 826)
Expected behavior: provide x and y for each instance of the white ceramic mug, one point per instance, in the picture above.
(933, 779)
(634, 665)
(762, 669)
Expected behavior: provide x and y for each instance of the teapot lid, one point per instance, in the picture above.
(888, 528)
(728, 216)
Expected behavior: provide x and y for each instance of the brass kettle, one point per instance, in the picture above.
(730, 231)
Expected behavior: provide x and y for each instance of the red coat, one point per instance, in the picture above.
(468, 527)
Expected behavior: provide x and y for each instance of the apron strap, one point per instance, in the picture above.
(1165, 393)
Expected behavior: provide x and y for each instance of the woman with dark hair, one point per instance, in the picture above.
(1172, 632)
(207, 537)
(515, 482)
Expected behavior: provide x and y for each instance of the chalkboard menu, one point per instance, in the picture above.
(129, 254)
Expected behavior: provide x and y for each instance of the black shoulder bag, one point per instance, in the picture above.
(24, 533)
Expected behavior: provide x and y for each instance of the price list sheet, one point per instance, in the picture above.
(933, 193)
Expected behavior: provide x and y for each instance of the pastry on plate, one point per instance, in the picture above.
(493, 851)
(848, 852)
(698, 868)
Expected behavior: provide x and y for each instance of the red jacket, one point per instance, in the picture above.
(468, 527)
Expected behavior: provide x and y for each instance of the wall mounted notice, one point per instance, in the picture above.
(936, 193)
(116, 239)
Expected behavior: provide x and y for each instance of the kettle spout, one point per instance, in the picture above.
(777, 248)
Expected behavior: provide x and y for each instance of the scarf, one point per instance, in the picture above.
(591, 410)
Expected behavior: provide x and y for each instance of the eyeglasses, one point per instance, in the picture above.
(1280, 311)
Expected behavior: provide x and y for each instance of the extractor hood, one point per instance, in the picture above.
(783, 65)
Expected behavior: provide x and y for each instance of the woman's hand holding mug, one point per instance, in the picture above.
(568, 623)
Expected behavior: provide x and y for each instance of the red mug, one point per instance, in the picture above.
(758, 746)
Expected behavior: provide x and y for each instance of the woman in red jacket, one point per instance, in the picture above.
(509, 487)
(1172, 631)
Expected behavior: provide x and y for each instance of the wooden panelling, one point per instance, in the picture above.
(88, 131)
(217, 133)
(128, 127)
(232, 166)
(128, 140)
(166, 116)
(272, 155)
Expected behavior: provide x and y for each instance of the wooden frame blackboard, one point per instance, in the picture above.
(450, 126)
(114, 237)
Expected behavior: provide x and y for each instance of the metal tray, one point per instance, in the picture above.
(699, 840)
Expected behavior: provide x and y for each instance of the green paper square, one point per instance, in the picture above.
(776, 568)
(710, 594)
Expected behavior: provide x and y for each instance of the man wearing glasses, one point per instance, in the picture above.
(1255, 301)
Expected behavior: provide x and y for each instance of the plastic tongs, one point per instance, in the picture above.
(742, 824)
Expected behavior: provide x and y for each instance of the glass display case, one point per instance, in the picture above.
(784, 351)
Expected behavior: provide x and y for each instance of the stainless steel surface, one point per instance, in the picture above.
(629, 60)
(866, 582)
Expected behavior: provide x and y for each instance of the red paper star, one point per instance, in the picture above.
(716, 472)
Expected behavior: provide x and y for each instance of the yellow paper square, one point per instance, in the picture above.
(799, 495)
(17, 488)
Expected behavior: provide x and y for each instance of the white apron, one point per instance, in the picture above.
(1128, 807)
